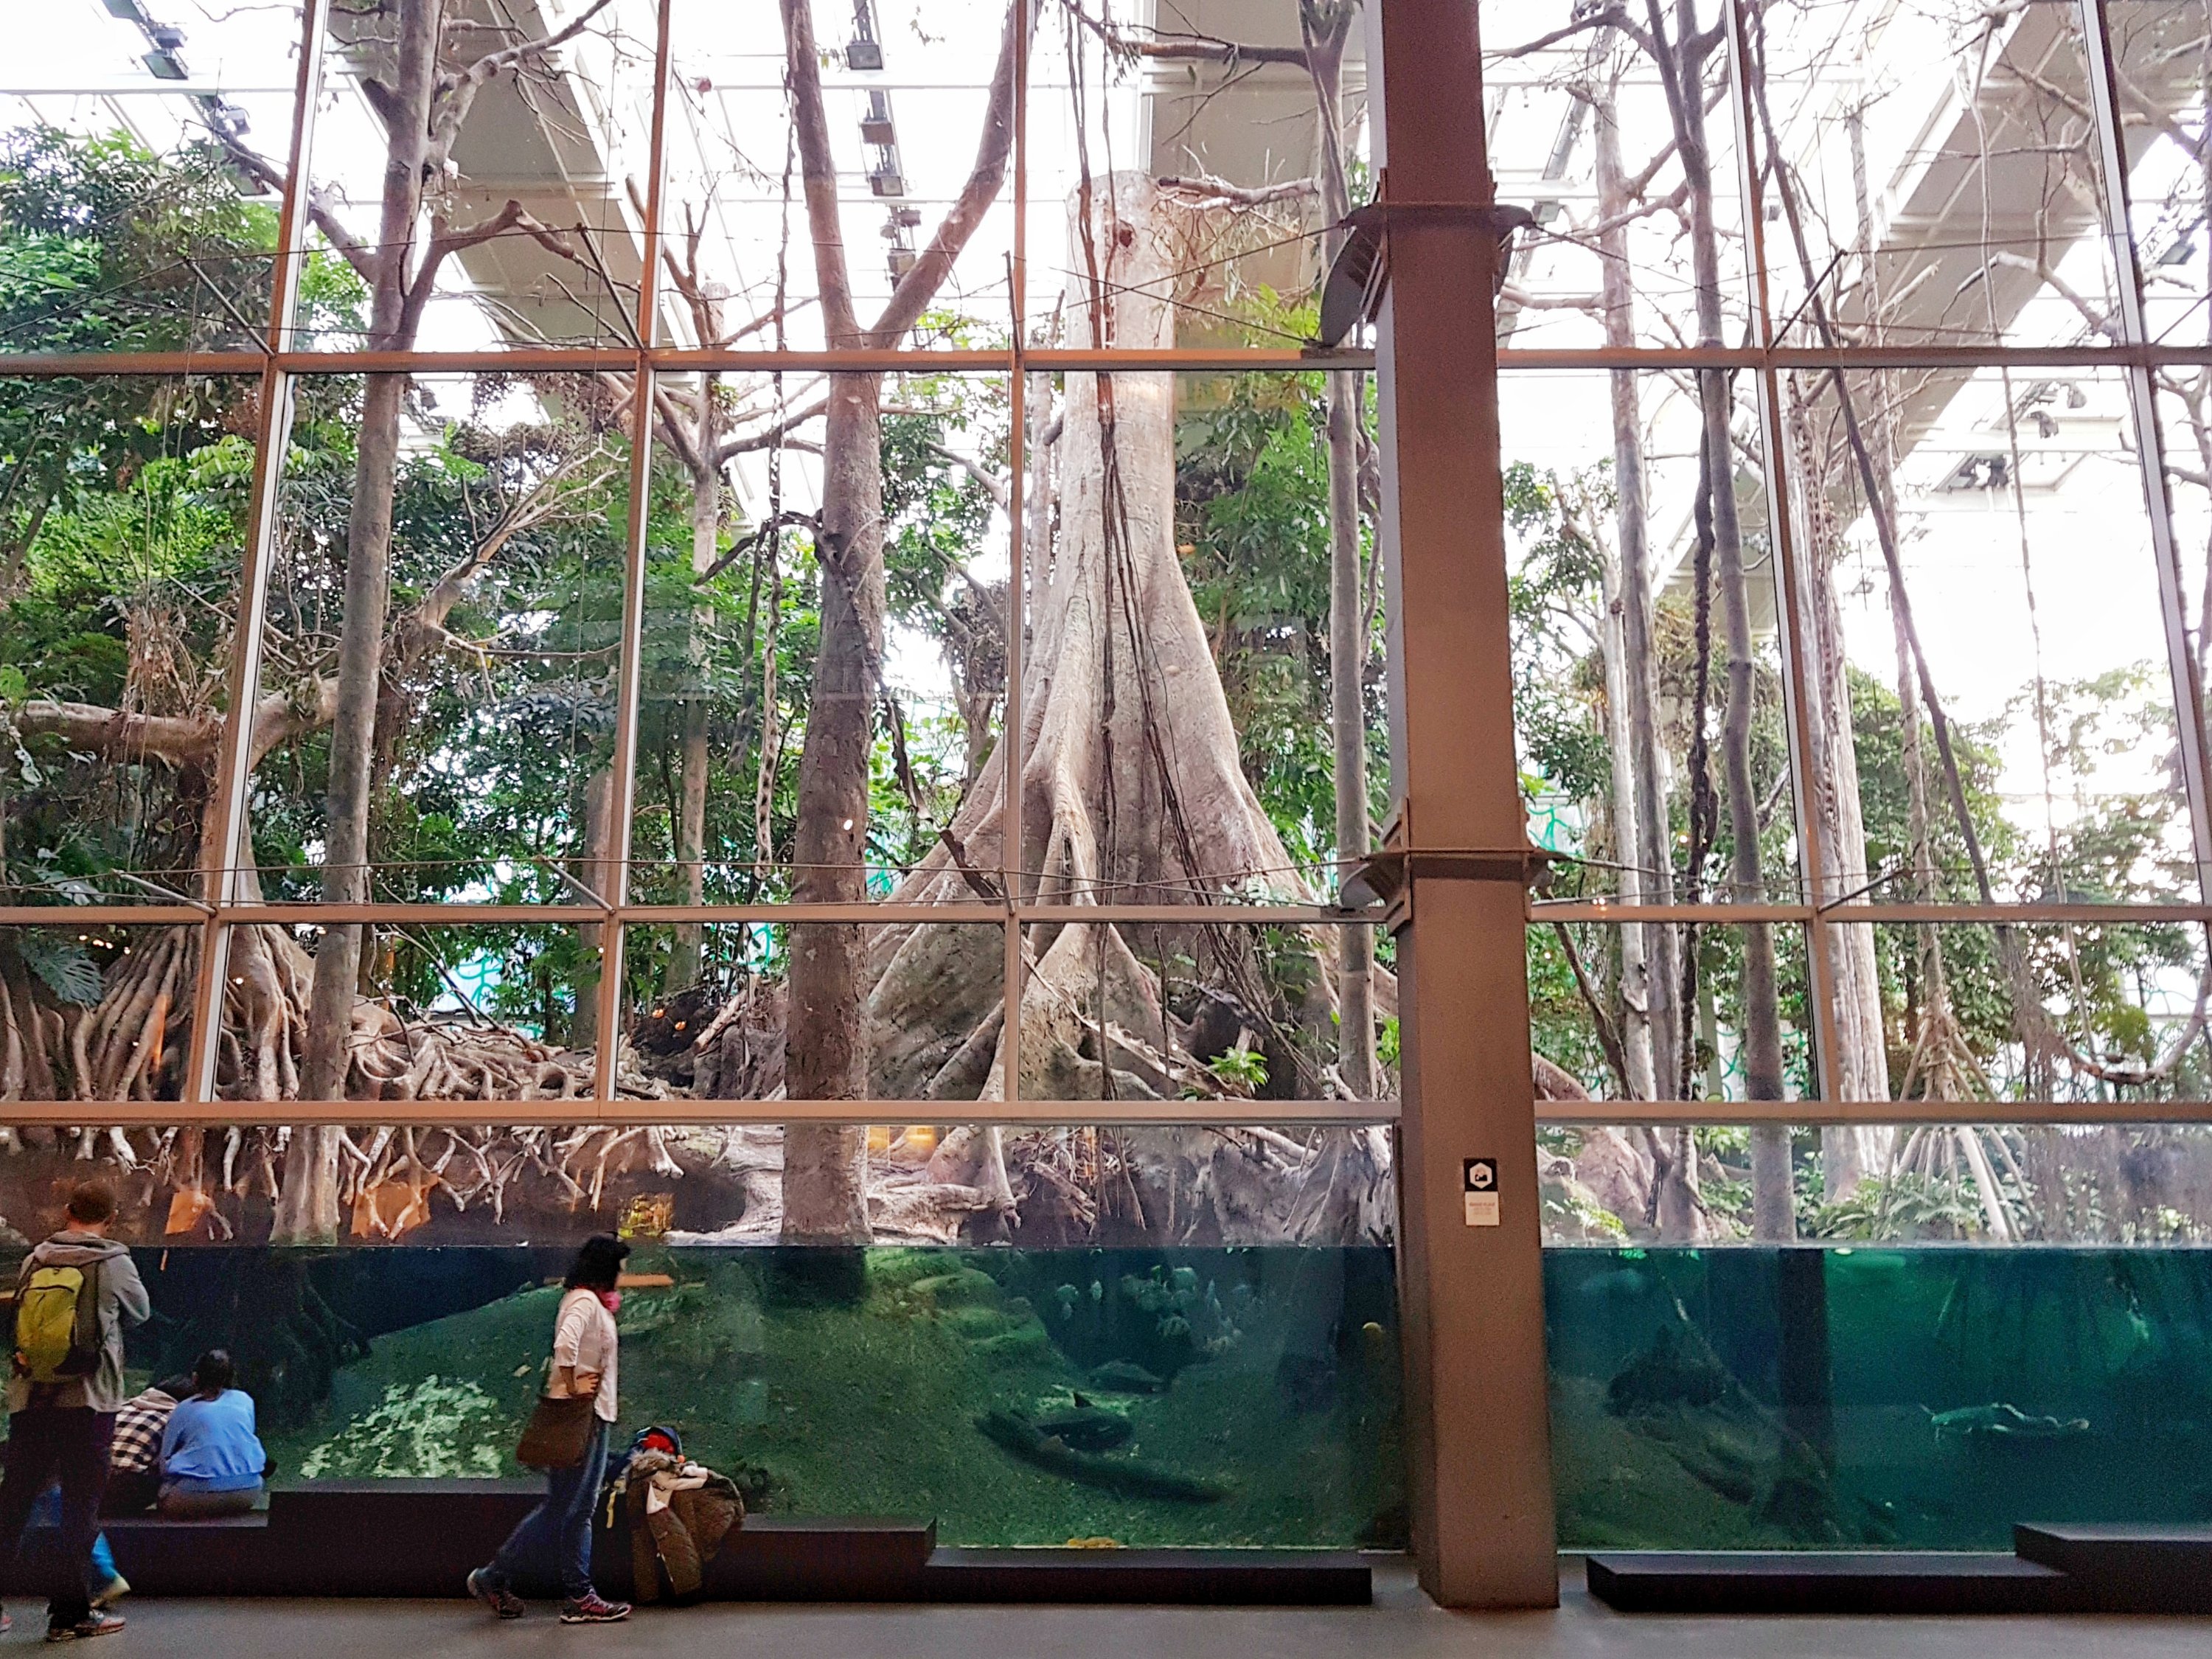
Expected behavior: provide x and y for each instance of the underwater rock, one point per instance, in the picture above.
(1087, 1428)
(1126, 1377)
(1663, 1375)
(1129, 1476)
(2000, 1421)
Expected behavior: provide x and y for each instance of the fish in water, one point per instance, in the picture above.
(2000, 1421)
(1123, 1376)
(1086, 1428)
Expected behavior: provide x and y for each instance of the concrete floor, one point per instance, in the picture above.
(1402, 1625)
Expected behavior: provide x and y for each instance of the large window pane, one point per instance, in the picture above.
(761, 638)
(537, 164)
(2041, 1012)
(1868, 1398)
(917, 119)
(122, 532)
(90, 1011)
(2158, 62)
(493, 711)
(1182, 702)
(1587, 129)
(1941, 184)
(1669, 1011)
(141, 163)
(1648, 667)
(1984, 643)
(1195, 140)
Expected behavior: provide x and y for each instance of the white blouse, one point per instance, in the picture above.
(584, 1339)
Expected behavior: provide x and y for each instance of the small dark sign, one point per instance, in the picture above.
(1481, 1193)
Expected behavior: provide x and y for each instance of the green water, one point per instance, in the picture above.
(1227, 1396)
(1736, 1398)
(1925, 1397)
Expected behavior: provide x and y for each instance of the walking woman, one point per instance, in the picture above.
(558, 1532)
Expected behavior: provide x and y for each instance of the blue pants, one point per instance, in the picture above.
(47, 1512)
(561, 1527)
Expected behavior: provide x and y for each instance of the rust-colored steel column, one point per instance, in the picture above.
(1471, 1269)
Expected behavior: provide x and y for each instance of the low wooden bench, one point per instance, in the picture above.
(419, 1539)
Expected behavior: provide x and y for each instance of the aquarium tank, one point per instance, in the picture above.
(1199, 1396)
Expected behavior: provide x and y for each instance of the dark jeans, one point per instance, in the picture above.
(69, 1445)
(559, 1530)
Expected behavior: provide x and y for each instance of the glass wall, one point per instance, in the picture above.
(1855, 509)
(739, 565)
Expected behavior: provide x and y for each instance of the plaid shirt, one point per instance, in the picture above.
(138, 1426)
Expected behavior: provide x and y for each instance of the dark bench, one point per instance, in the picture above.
(2053, 1568)
(419, 1538)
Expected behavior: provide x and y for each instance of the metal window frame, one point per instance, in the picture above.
(279, 359)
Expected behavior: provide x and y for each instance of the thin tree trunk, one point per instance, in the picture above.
(1636, 989)
(369, 569)
(1773, 1213)
(1651, 854)
(691, 808)
(596, 871)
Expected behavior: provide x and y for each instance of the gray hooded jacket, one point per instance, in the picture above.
(123, 1300)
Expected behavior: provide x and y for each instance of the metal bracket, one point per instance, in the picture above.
(1360, 273)
(1388, 875)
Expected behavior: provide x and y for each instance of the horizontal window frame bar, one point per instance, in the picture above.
(1813, 1114)
(666, 359)
(305, 912)
(631, 1112)
(251, 359)
(1852, 913)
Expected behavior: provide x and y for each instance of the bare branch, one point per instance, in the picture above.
(920, 285)
(1208, 189)
(769, 436)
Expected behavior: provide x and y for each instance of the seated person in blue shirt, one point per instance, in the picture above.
(212, 1464)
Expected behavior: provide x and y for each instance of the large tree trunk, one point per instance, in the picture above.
(825, 1166)
(368, 556)
(825, 1051)
(1132, 783)
(1848, 1153)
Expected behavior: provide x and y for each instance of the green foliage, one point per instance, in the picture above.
(1555, 596)
(105, 247)
(1906, 1206)
(1243, 1070)
(1252, 527)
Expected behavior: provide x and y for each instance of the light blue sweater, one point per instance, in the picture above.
(210, 1445)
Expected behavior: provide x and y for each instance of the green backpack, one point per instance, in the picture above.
(57, 1322)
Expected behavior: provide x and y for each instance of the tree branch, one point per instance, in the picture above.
(920, 285)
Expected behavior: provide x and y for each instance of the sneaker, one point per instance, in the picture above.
(113, 1591)
(592, 1609)
(500, 1599)
(97, 1624)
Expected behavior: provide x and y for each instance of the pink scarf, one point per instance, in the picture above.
(611, 1300)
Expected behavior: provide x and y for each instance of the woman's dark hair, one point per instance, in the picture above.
(212, 1371)
(598, 1264)
(177, 1388)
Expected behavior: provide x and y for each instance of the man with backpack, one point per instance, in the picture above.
(74, 1295)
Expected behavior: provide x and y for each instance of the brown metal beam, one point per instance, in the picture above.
(1478, 1428)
